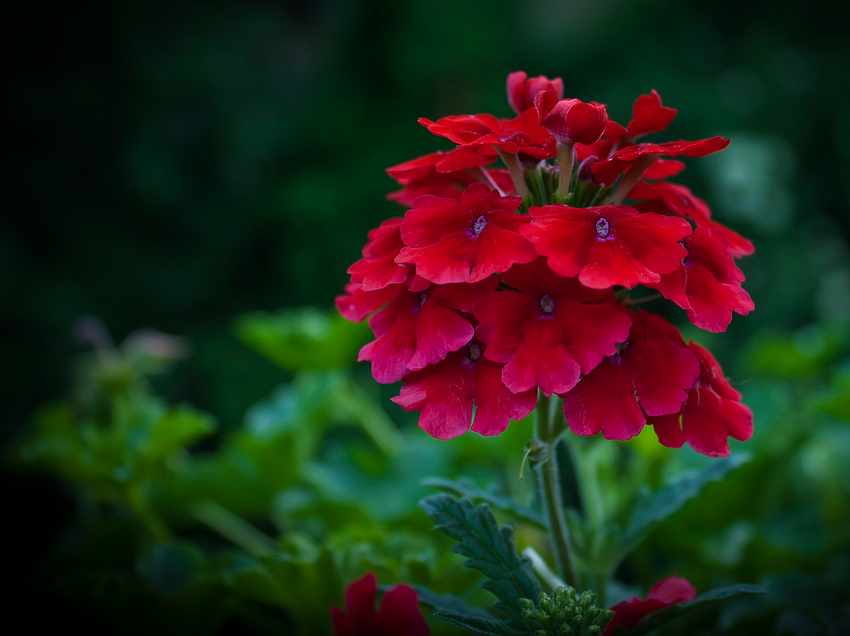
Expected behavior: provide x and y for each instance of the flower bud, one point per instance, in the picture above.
(521, 90)
(571, 120)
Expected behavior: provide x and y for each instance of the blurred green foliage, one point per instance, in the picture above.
(178, 164)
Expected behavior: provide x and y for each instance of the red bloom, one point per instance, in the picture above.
(522, 90)
(607, 245)
(444, 174)
(545, 332)
(670, 591)
(466, 241)
(648, 116)
(420, 328)
(398, 614)
(571, 120)
(650, 373)
(356, 304)
(445, 393)
(679, 199)
(521, 134)
(378, 268)
(607, 171)
(712, 413)
(707, 283)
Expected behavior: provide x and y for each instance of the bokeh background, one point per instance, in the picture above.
(176, 164)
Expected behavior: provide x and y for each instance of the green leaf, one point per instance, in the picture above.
(491, 551)
(701, 602)
(465, 487)
(170, 568)
(180, 427)
(480, 625)
(652, 509)
(303, 339)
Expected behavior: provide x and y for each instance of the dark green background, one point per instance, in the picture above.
(175, 164)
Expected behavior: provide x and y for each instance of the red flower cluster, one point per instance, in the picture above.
(498, 283)
(670, 591)
(398, 614)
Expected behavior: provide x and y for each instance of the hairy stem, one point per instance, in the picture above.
(632, 176)
(512, 164)
(550, 489)
(565, 167)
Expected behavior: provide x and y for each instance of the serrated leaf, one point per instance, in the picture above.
(480, 625)
(652, 509)
(491, 550)
(465, 487)
(703, 601)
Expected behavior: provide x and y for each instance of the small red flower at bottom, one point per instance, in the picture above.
(398, 615)
(667, 592)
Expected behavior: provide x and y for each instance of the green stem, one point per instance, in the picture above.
(512, 164)
(632, 177)
(550, 489)
(565, 167)
(149, 519)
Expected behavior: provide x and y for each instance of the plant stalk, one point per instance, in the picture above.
(565, 167)
(512, 164)
(550, 490)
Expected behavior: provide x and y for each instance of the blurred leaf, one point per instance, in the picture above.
(303, 339)
(491, 550)
(170, 568)
(797, 355)
(835, 401)
(481, 625)
(653, 508)
(180, 427)
(465, 487)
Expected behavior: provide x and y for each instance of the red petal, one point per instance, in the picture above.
(360, 602)
(399, 614)
(495, 405)
(636, 250)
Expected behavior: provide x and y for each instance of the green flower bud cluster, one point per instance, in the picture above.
(565, 614)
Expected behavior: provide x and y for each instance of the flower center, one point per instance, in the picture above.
(474, 352)
(422, 298)
(547, 304)
(621, 347)
(602, 228)
(479, 225)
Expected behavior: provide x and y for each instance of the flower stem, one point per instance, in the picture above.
(550, 489)
(565, 167)
(512, 164)
(632, 176)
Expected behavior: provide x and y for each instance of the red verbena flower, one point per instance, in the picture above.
(712, 413)
(571, 120)
(648, 116)
(650, 374)
(608, 170)
(464, 241)
(420, 328)
(707, 283)
(378, 268)
(522, 90)
(670, 591)
(666, 197)
(607, 245)
(398, 614)
(547, 333)
(521, 134)
(445, 393)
